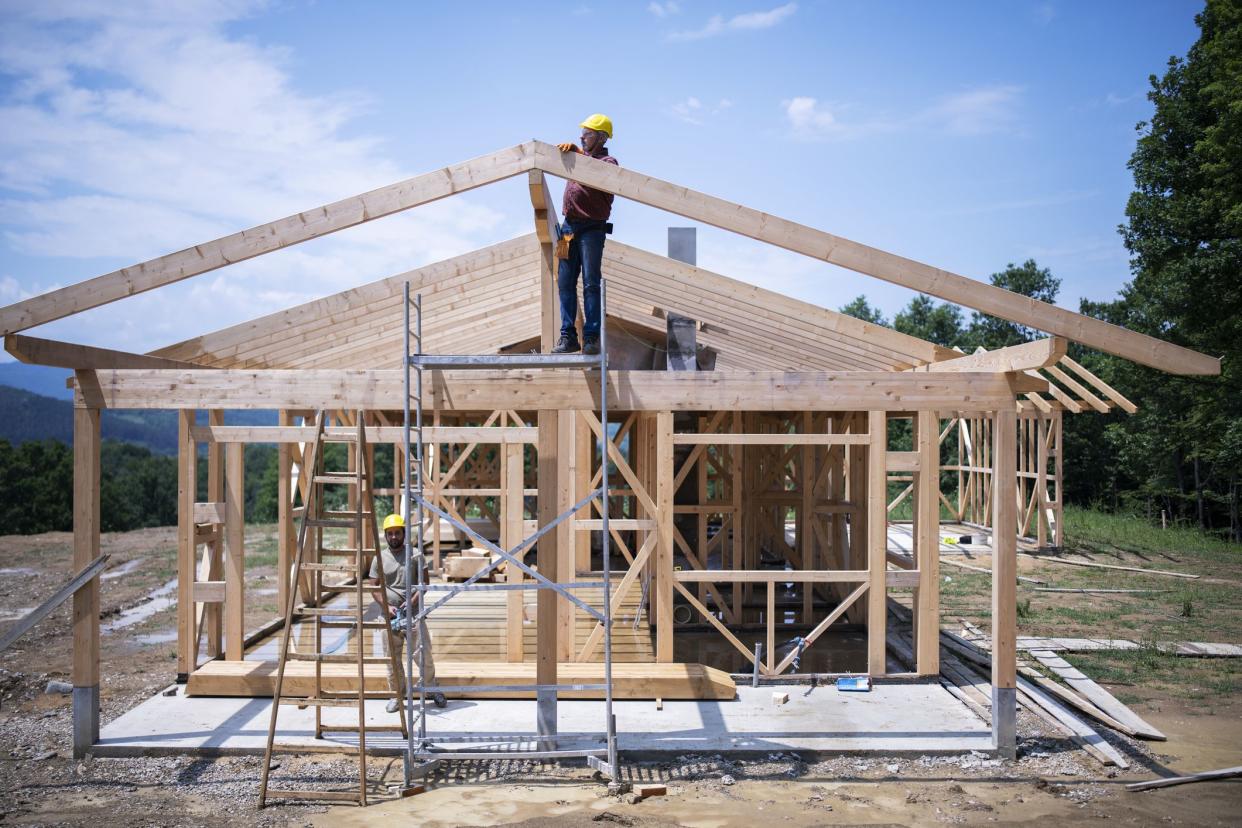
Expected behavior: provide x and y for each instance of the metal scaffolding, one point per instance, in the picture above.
(424, 753)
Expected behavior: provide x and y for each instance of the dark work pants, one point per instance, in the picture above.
(586, 255)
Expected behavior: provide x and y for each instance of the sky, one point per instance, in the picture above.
(966, 135)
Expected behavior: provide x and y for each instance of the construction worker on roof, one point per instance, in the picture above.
(394, 584)
(581, 248)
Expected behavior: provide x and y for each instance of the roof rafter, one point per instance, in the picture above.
(871, 261)
(265, 238)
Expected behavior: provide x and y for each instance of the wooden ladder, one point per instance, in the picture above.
(326, 574)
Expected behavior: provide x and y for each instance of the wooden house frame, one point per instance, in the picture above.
(712, 463)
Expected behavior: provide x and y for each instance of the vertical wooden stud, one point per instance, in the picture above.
(877, 541)
(234, 553)
(927, 544)
(663, 584)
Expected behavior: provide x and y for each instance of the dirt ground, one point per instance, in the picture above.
(40, 783)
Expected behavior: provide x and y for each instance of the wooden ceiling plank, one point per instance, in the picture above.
(893, 342)
(278, 323)
(721, 314)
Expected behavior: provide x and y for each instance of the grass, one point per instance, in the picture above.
(1093, 531)
(1207, 609)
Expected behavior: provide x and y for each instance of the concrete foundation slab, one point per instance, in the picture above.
(892, 718)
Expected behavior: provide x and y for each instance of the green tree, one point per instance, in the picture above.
(936, 322)
(1184, 234)
(860, 308)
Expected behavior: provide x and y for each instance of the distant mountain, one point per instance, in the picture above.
(25, 415)
(41, 379)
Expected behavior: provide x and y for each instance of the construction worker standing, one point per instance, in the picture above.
(394, 584)
(581, 249)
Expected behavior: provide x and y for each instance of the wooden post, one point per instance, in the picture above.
(927, 544)
(566, 561)
(736, 478)
(187, 493)
(510, 534)
(584, 442)
(86, 599)
(234, 553)
(1058, 530)
(857, 478)
(877, 541)
(211, 616)
(663, 586)
(1004, 583)
(546, 626)
(804, 535)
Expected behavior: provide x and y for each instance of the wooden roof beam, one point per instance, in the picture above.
(862, 258)
(34, 351)
(1025, 357)
(265, 238)
(547, 228)
(556, 389)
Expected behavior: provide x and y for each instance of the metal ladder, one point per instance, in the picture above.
(425, 753)
(335, 572)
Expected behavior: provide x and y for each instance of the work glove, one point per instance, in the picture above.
(568, 148)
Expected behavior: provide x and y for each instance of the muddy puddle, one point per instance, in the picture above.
(157, 601)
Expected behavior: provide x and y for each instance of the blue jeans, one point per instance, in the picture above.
(586, 254)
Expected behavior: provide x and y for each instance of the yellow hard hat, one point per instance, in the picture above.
(394, 521)
(601, 123)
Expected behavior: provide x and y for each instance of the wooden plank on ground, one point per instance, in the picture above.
(1163, 572)
(1096, 694)
(1205, 776)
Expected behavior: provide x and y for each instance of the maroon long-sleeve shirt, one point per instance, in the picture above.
(585, 203)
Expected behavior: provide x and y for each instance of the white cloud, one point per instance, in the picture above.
(664, 9)
(984, 110)
(139, 128)
(694, 111)
(749, 21)
(762, 20)
(1044, 13)
(809, 116)
(977, 111)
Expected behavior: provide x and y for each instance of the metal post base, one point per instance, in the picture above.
(85, 719)
(545, 714)
(1005, 721)
(602, 767)
(421, 770)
